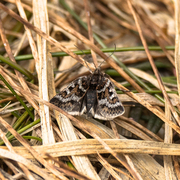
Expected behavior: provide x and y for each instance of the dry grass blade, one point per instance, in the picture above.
(158, 34)
(168, 164)
(134, 130)
(34, 153)
(122, 23)
(176, 166)
(27, 163)
(104, 132)
(67, 170)
(150, 107)
(2, 177)
(91, 146)
(82, 163)
(108, 167)
(44, 66)
(36, 142)
(26, 171)
(177, 52)
(18, 74)
(88, 17)
(132, 168)
(152, 64)
(29, 34)
(154, 81)
(42, 34)
(130, 164)
(142, 128)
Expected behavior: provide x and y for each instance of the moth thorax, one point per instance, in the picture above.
(94, 80)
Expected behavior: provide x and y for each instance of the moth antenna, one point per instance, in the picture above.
(88, 67)
(107, 57)
(84, 60)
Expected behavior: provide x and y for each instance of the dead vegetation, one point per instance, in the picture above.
(42, 48)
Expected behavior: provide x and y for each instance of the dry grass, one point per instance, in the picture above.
(39, 140)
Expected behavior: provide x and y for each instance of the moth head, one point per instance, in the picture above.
(97, 70)
(96, 76)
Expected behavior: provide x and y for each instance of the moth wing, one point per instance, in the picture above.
(109, 106)
(71, 98)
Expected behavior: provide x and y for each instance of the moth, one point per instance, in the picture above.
(93, 95)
